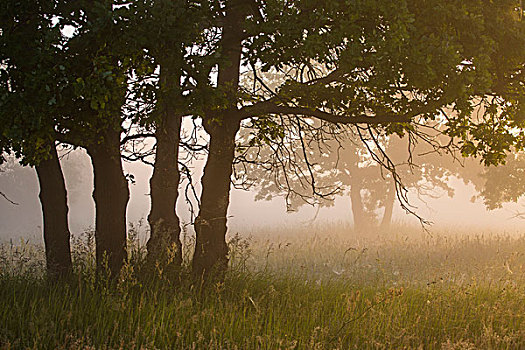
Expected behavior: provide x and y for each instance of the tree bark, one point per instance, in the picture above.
(389, 207)
(53, 198)
(211, 250)
(164, 245)
(111, 195)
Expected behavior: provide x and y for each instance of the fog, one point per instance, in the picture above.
(246, 215)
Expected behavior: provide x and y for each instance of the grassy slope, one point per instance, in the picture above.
(303, 292)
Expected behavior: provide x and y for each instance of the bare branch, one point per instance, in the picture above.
(136, 137)
(7, 198)
(270, 107)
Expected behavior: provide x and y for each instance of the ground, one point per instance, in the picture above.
(324, 288)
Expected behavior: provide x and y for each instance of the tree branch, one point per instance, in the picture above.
(135, 137)
(7, 198)
(269, 107)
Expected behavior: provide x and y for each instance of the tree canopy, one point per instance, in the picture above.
(286, 71)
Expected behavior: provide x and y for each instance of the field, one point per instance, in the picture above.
(322, 289)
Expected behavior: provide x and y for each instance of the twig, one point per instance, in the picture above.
(7, 198)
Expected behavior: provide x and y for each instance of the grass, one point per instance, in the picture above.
(301, 290)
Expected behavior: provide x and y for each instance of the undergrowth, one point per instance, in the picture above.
(299, 290)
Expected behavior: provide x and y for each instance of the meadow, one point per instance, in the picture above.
(321, 288)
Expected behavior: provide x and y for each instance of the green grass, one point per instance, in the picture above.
(297, 291)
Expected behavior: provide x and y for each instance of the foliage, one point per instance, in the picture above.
(504, 183)
(343, 62)
(32, 78)
(448, 74)
(406, 60)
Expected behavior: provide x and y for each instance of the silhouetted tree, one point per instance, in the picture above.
(167, 33)
(377, 67)
(31, 82)
(387, 67)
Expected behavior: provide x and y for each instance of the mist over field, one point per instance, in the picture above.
(462, 213)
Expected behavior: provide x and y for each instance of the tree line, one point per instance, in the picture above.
(260, 76)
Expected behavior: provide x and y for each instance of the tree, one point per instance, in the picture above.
(30, 82)
(345, 164)
(390, 68)
(84, 72)
(166, 32)
(378, 67)
(106, 79)
(53, 198)
(503, 184)
(98, 64)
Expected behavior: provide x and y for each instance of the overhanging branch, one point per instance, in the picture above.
(269, 107)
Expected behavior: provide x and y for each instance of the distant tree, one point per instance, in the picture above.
(6, 167)
(75, 166)
(502, 184)
(346, 165)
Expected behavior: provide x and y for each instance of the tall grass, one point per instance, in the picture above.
(326, 288)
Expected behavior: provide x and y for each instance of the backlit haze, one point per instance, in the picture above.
(247, 216)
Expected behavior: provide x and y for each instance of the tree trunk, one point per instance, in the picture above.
(211, 250)
(164, 245)
(389, 207)
(53, 198)
(111, 195)
(358, 211)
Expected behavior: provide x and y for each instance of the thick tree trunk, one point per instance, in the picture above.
(389, 207)
(111, 195)
(53, 198)
(164, 245)
(211, 250)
